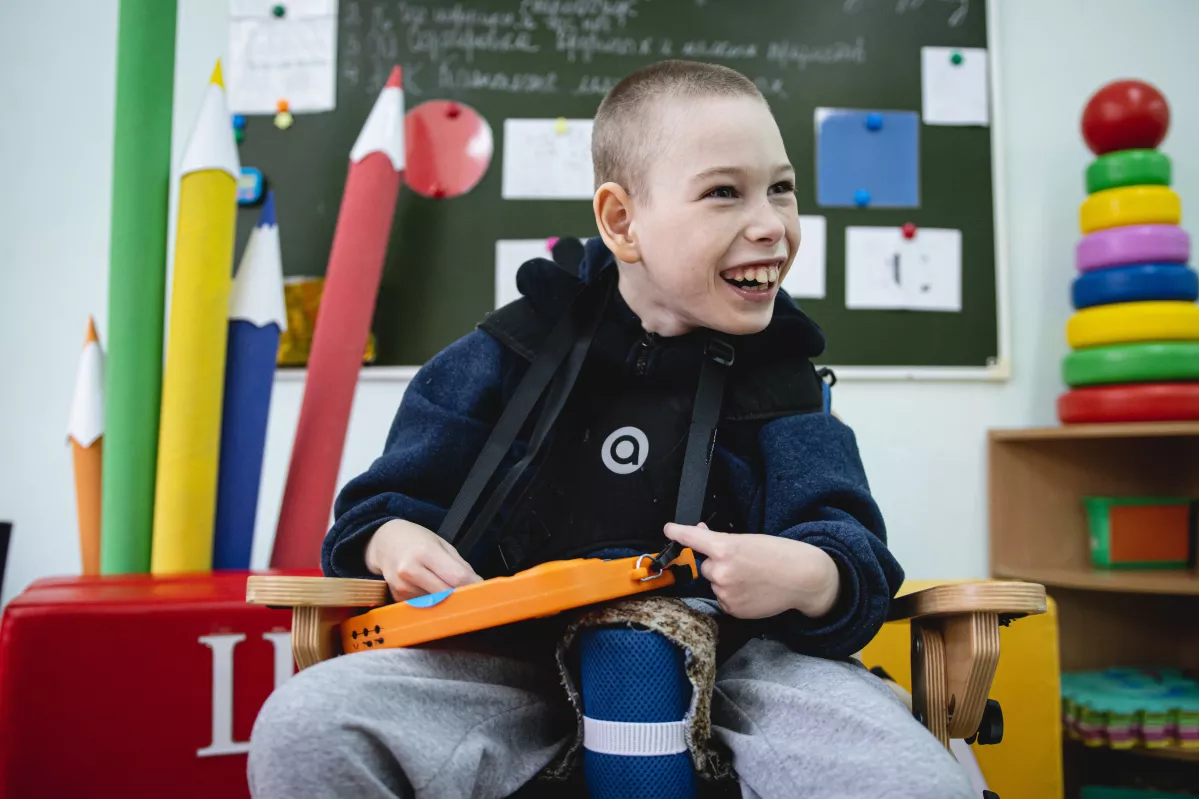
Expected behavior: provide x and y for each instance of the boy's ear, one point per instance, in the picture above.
(614, 218)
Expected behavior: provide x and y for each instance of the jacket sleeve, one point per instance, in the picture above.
(816, 492)
(447, 412)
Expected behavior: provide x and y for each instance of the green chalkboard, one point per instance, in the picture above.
(555, 58)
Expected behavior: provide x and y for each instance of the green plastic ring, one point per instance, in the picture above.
(1151, 362)
(1128, 168)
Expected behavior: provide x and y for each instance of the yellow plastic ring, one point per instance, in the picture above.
(1133, 321)
(1130, 205)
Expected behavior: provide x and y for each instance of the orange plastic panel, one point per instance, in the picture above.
(540, 591)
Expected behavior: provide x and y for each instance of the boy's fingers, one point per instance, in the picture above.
(451, 568)
(426, 580)
(701, 539)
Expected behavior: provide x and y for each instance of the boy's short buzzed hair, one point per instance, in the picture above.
(621, 145)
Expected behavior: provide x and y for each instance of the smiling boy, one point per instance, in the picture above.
(698, 225)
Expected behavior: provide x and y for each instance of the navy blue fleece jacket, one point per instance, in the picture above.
(798, 476)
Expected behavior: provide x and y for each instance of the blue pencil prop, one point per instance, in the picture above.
(256, 318)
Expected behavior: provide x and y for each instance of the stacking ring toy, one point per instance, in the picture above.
(1139, 402)
(1133, 321)
(1135, 244)
(1135, 284)
(1156, 361)
(1130, 205)
(1128, 168)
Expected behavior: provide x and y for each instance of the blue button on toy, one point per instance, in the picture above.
(429, 600)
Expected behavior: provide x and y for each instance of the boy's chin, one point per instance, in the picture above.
(741, 324)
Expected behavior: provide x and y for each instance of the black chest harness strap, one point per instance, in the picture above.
(556, 367)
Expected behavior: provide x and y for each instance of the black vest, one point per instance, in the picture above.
(608, 476)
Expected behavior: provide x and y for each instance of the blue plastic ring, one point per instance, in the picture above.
(1139, 283)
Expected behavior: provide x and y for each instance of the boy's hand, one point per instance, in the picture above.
(757, 576)
(415, 560)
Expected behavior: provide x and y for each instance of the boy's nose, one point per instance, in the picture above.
(765, 226)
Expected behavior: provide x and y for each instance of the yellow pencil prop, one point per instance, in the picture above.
(193, 376)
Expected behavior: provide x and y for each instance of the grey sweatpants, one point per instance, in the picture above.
(481, 720)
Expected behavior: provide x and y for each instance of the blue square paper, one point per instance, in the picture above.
(867, 159)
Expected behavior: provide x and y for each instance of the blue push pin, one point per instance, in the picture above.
(239, 121)
(861, 198)
(874, 121)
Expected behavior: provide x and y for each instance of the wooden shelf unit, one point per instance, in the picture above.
(1038, 531)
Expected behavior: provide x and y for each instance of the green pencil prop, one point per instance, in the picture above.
(141, 174)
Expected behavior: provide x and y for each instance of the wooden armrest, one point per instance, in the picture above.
(321, 592)
(318, 607)
(1002, 598)
(955, 648)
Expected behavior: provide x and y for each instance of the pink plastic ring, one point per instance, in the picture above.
(1132, 244)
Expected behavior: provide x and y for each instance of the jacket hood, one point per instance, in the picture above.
(549, 286)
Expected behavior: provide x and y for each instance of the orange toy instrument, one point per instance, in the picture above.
(540, 591)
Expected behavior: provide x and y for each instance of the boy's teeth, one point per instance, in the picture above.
(762, 275)
(773, 274)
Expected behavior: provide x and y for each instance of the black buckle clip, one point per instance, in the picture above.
(661, 562)
(720, 351)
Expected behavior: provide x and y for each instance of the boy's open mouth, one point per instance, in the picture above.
(754, 277)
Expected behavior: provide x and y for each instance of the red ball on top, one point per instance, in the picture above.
(1125, 115)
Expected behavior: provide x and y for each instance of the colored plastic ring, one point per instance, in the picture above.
(1128, 168)
(1136, 283)
(1130, 205)
(1155, 361)
(1138, 402)
(1135, 244)
(1133, 321)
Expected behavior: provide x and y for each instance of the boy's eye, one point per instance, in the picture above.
(783, 187)
(723, 193)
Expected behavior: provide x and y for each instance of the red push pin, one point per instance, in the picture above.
(452, 110)
(438, 191)
(909, 230)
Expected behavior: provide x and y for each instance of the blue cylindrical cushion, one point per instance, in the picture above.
(639, 676)
(1138, 283)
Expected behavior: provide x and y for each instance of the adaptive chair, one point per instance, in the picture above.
(954, 634)
(642, 733)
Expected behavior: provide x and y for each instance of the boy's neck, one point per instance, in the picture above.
(642, 301)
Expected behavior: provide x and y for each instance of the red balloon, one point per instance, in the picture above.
(1125, 115)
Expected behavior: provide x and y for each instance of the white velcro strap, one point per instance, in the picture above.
(638, 739)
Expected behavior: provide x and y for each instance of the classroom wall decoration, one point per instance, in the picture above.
(1134, 335)
(885, 106)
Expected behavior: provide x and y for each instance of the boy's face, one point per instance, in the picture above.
(718, 226)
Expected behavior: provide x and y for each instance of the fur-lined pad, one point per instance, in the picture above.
(691, 631)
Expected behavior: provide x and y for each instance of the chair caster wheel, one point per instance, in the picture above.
(990, 795)
(991, 730)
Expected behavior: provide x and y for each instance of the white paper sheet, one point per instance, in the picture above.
(293, 57)
(542, 161)
(509, 255)
(954, 94)
(885, 270)
(806, 278)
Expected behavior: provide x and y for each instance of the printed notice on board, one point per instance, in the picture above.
(547, 159)
(806, 276)
(290, 55)
(884, 270)
(953, 86)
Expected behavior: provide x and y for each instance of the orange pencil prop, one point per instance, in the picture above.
(86, 432)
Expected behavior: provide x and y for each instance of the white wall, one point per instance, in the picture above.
(923, 443)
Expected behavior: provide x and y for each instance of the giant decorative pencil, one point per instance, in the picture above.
(141, 188)
(194, 374)
(342, 328)
(86, 432)
(256, 318)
